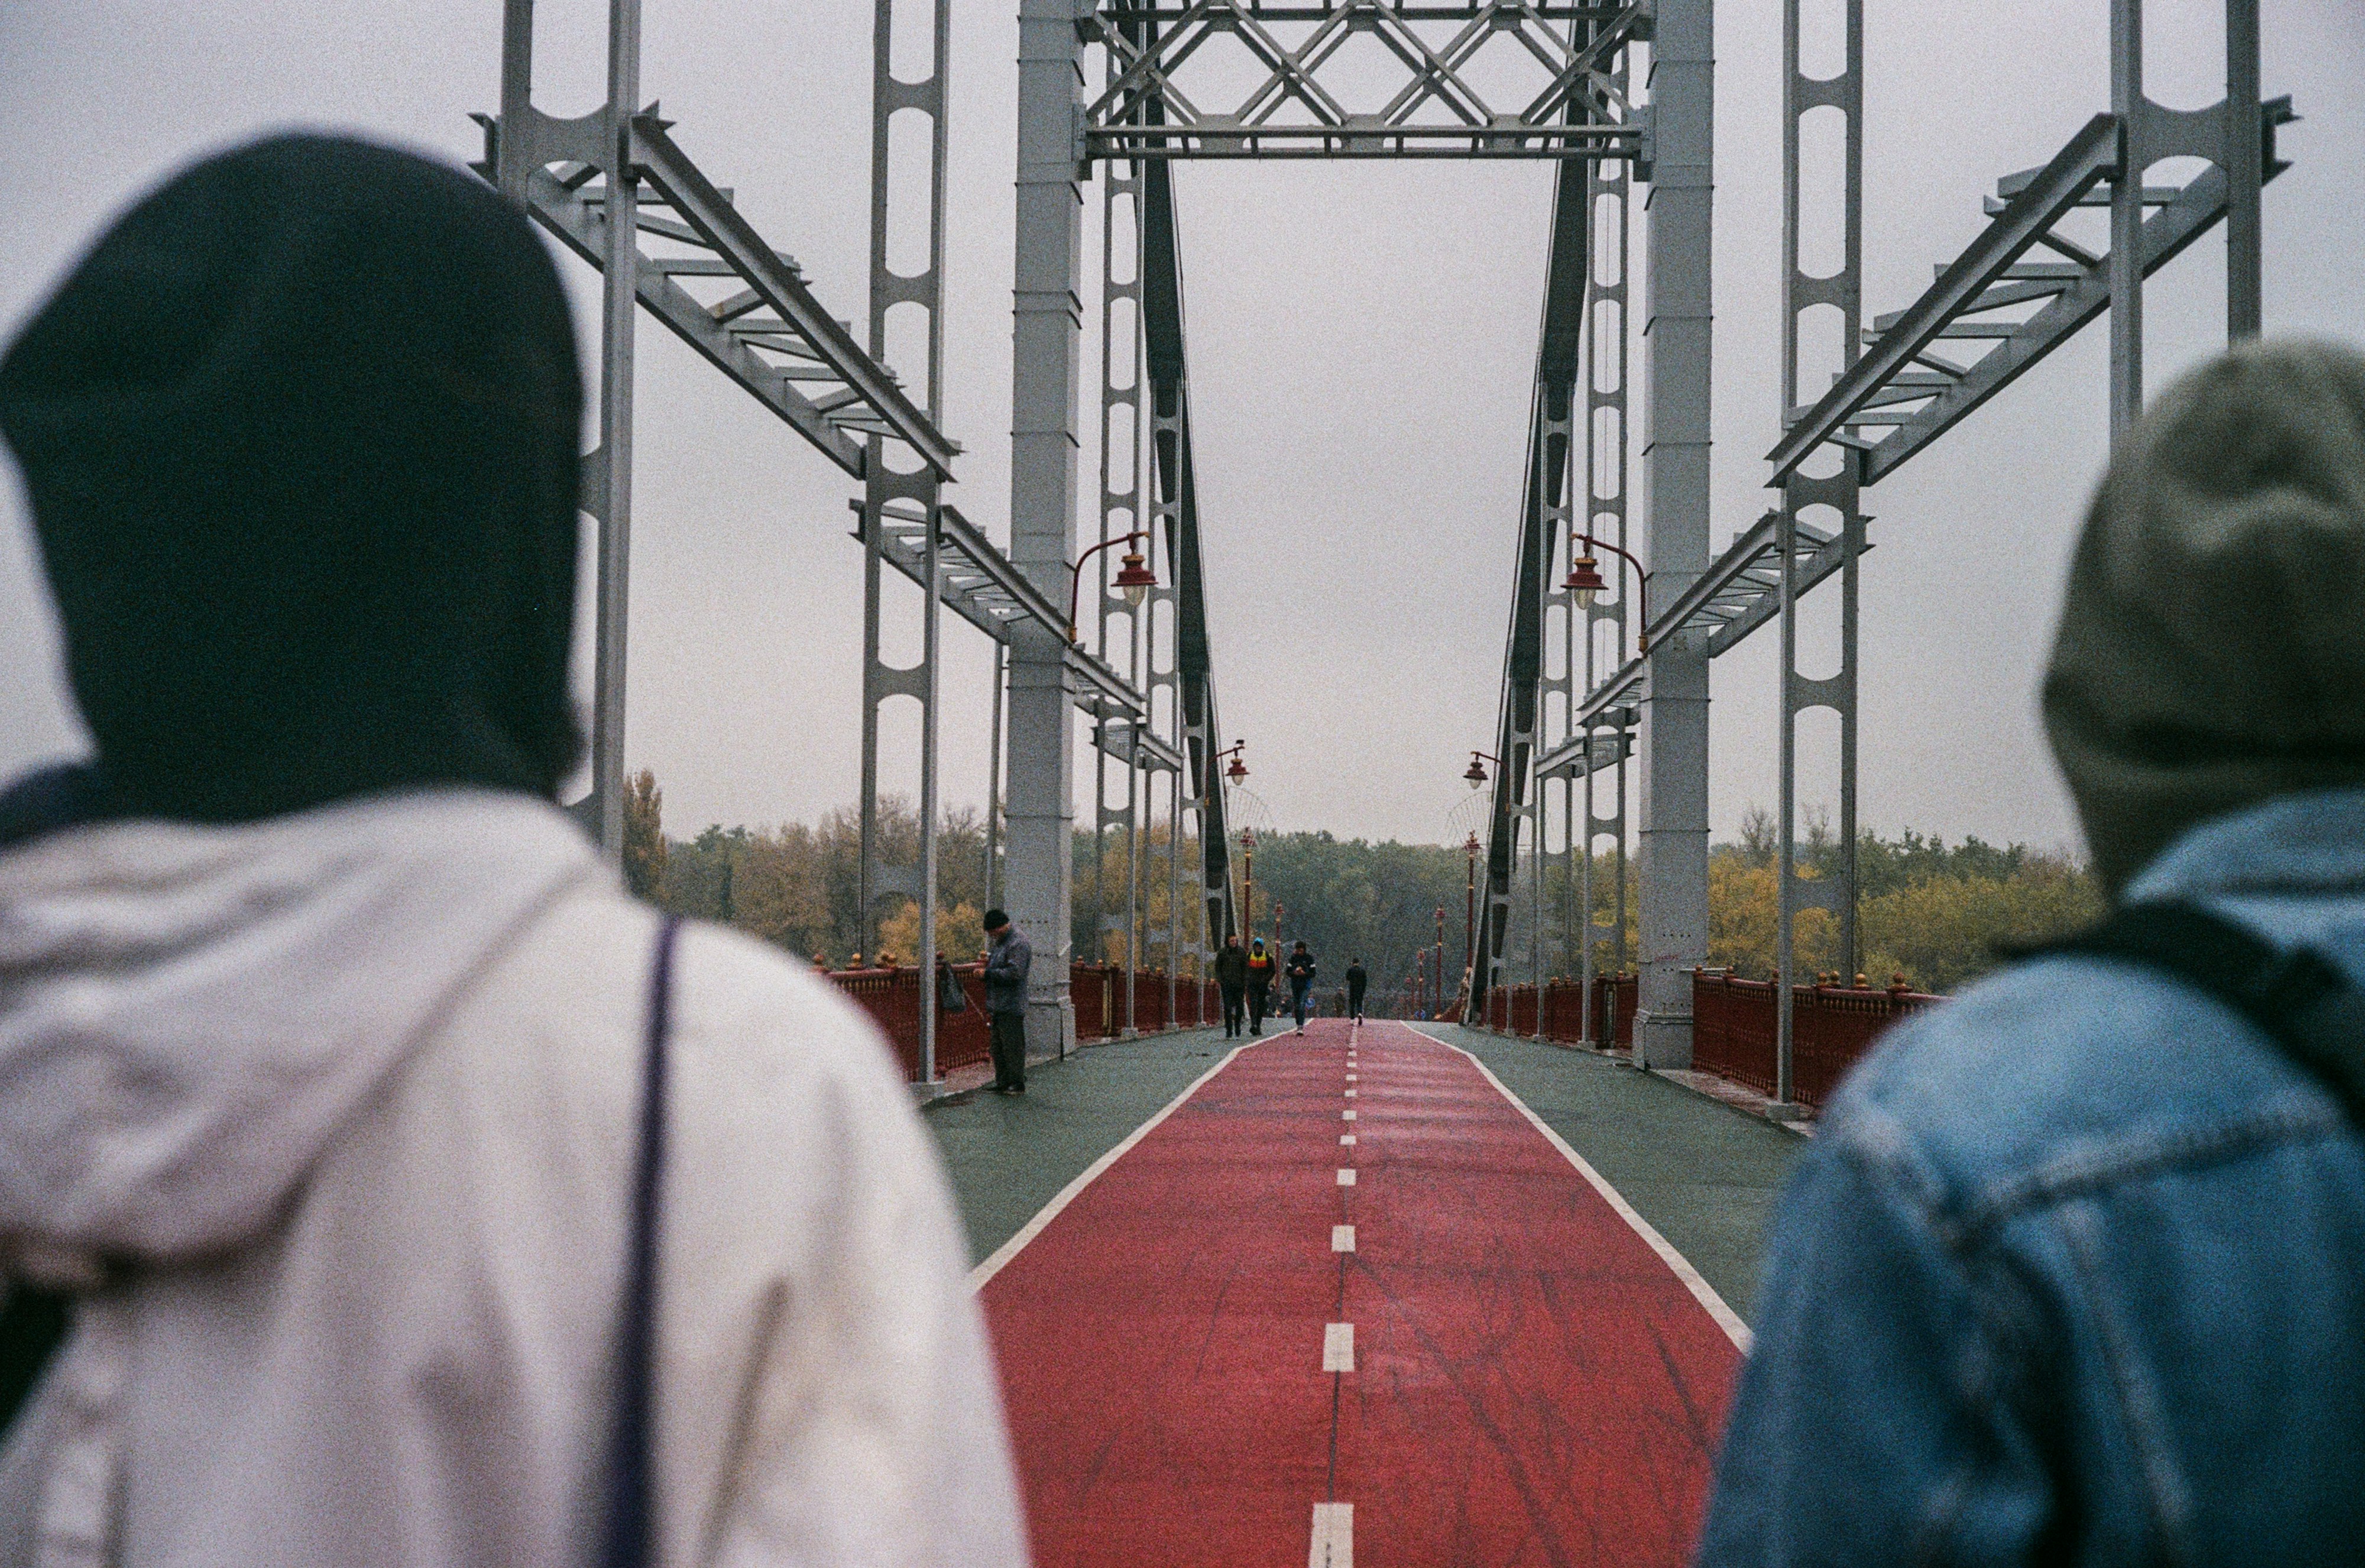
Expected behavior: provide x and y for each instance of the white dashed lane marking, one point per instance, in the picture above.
(1347, 1177)
(1348, 1139)
(1334, 1536)
(1338, 1348)
(1342, 1238)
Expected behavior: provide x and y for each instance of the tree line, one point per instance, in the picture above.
(1933, 911)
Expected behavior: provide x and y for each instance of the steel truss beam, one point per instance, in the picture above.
(1576, 108)
(977, 582)
(1904, 386)
(771, 334)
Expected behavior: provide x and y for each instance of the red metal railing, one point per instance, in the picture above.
(893, 998)
(1734, 1030)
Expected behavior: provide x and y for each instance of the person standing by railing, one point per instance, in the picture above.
(1007, 964)
(1232, 981)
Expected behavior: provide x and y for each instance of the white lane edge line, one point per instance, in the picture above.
(1702, 1292)
(1334, 1536)
(1338, 1346)
(1342, 1238)
(1003, 1254)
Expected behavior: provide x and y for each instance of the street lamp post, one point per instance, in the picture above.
(1248, 877)
(1585, 580)
(1134, 577)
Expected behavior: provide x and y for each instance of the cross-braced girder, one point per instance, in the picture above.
(714, 282)
(1485, 79)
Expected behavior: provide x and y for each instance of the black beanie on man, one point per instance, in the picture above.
(300, 438)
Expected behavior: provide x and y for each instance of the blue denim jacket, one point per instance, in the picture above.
(2076, 1272)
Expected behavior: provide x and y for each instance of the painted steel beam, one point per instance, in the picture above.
(1905, 387)
(1293, 111)
(1174, 474)
(1518, 720)
(981, 584)
(773, 337)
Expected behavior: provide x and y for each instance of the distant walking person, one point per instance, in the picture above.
(1006, 965)
(1301, 983)
(1356, 981)
(1232, 979)
(1262, 972)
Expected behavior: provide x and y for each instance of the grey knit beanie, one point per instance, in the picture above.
(2212, 647)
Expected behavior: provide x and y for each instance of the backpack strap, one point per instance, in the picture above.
(2297, 998)
(33, 1324)
(629, 1540)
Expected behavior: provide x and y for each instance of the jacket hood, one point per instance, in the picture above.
(2211, 655)
(188, 1014)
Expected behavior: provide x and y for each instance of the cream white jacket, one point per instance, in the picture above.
(333, 1119)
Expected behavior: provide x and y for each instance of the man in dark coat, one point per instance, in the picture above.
(1356, 981)
(1006, 966)
(1232, 979)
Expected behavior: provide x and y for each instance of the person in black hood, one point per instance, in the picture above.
(1356, 980)
(300, 438)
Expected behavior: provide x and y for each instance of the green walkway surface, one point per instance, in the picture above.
(1008, 1156)
(1704, 1175)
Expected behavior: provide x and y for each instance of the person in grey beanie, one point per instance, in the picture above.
(2075, 1270)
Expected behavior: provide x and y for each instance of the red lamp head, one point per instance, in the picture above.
(1134, 577)
(1585, 579)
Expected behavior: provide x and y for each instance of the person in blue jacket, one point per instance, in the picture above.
(2074, 1271)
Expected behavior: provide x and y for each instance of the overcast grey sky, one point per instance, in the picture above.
(1363, 339)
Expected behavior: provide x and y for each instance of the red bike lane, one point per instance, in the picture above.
(1247, 1340)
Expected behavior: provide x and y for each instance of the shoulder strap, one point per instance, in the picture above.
(2299, 998)
(630, 1538)
(33, 1324)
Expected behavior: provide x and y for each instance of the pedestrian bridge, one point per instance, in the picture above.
(1430, 1294)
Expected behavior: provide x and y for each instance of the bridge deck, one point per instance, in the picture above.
(1239, 1337)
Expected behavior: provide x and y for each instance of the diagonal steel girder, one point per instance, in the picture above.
(1173, 472)
(978, 583)
(773, 337)
(1518, 724)
(1903, 386)
(1437, 112)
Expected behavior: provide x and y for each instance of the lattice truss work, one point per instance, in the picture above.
(710, 277)
(1363, 79)
(2038, 273)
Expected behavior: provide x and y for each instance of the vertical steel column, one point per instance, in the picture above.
(993, 783)
(2245, 171)
(1607, 328)
(1681, 139)
(610, 492)
(1802, 292)
(2126, 215)
(528, 141)
(1120, 508)
(1046, 342)
(919, 493)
